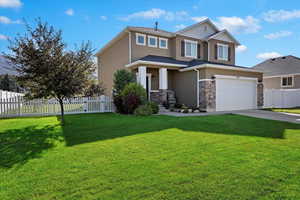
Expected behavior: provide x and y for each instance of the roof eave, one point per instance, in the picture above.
(144, 62)
(219, 67)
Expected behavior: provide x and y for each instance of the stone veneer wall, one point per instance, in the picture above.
(260, 95)
(207, 95)
(159, 97)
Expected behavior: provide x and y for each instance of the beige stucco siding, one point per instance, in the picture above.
(185, 86)
(212, 52)
(139, 51)
(210, 72)
(275, 83)
(112, 59)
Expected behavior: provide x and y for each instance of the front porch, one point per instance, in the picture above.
(157, 82)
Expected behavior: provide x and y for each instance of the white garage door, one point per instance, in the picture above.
(235, 93)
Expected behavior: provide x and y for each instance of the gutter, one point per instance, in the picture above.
(219, 67)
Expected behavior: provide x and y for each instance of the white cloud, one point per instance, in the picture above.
(195, 7)
(180, 26)
(6, 20)
(69, 12)
(3, 37)
(199, 19)
(103, 17)
(156, 13)
(268, 55)
(239, 25)
(241, 48)
(10, 3)
(273, 36)
(281, 15)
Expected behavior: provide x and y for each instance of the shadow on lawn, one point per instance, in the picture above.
(81, 129)
(17, 146)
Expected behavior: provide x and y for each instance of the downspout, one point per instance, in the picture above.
(198, 95)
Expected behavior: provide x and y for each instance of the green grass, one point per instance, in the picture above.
(286, 110)
(113, 157)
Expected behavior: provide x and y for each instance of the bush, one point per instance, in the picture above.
(118, 102)
(143, 110)
(122, 78)
(133, 95)
(154, 107)
(136, 89)
(130, 103)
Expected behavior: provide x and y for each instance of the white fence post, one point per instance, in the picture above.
(279, 98)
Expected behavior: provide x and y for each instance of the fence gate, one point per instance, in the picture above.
(19, 106)
(281, 98)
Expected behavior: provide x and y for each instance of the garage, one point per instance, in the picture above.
(235, 93)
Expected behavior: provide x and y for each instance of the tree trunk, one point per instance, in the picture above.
(61, 103)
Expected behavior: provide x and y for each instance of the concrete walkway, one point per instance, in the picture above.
(286, 117)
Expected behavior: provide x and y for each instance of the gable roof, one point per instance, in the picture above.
(207, 20)
(151, 31)
(284, 65)
(214, 36)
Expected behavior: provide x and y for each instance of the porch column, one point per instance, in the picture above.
(163, 79)
(142, 74)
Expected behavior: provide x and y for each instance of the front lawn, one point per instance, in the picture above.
(113, 157)
(286, 110)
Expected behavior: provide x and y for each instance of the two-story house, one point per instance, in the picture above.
(197, 64)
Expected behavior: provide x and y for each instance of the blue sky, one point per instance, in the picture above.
(266, 28)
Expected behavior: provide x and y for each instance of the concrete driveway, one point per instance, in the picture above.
(287, 117)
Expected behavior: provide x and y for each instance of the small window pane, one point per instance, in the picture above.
(152, 41)
(163, 43)
(290, 81)
(284, 81)
(141, 39)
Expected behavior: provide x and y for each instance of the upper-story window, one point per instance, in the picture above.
(222, 52)
(287, 81)
(140, 39)
(163, 43)
(152, 41)
(190, 48)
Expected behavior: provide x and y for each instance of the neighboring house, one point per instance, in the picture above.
(197, 64)
(281, 73)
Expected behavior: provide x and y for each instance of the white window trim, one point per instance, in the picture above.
(137, 41)
(165, 39)
(152, 37)
(223, 45)
(287, 86)
(190, 41)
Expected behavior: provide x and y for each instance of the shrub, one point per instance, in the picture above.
(118, 102)
(130, 103)
(122, 78)
(136, 89)
(154, 107)
(178, 105)
(143, 110)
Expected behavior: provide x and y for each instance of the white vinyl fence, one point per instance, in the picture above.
(281, 98)
(18, 106)
(7, 94)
